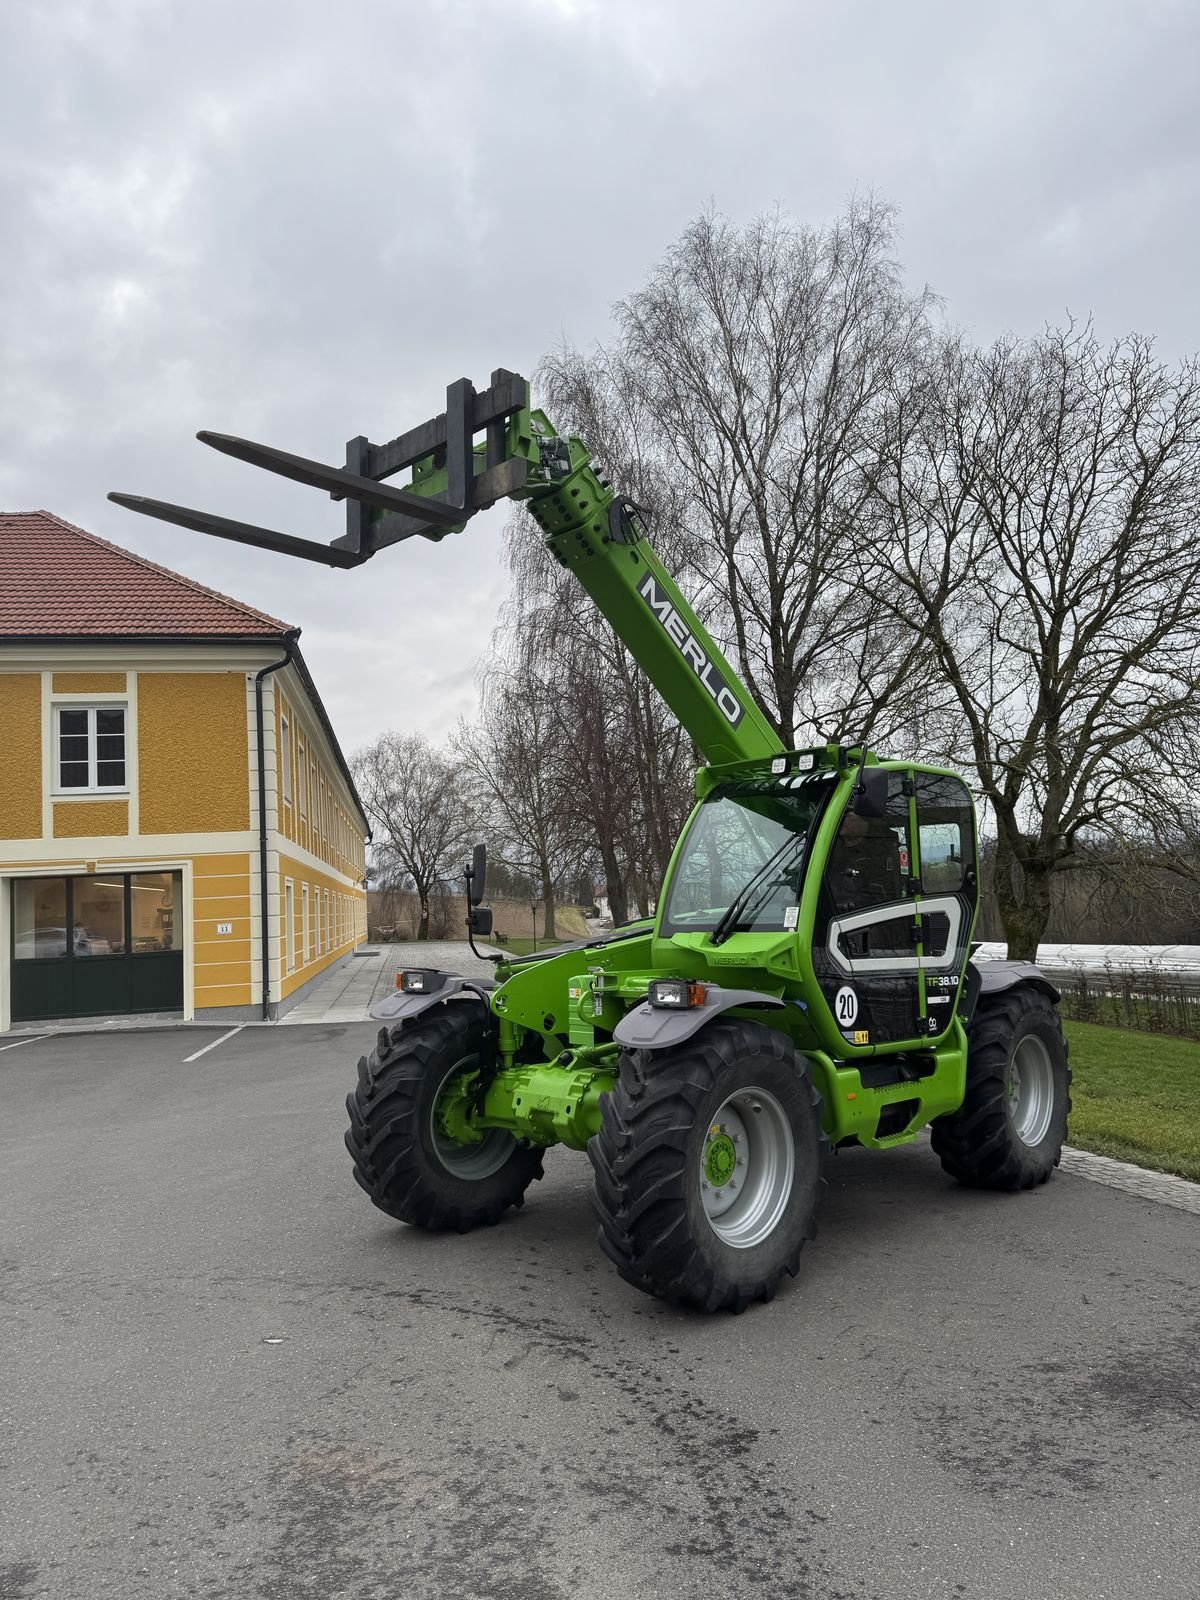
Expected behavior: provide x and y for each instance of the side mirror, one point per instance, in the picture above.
(480, 919)
(477, 875)
(871, 793)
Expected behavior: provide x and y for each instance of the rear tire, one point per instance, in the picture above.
(1009, 1131)
(407, 1168)
(708, 1166)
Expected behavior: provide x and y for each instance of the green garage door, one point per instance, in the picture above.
(98, 946)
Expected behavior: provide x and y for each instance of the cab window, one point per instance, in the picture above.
(870, 862)
(946, 835)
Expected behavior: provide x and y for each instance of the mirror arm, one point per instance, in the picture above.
(472, 902)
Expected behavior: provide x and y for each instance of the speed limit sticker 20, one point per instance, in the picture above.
(845, 1007)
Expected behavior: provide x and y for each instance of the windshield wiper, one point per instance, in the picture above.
(732, 915)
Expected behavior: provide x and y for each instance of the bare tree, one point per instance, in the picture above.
(765, 357)
(608, 759)
(511, 759)
(750, 374)
(985, 555)
(419, 805)
(1039, 515)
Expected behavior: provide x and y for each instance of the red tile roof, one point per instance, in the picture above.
(56, 580)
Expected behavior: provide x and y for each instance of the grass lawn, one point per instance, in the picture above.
(1136, 1096)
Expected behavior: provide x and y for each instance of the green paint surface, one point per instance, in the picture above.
(720, 1160)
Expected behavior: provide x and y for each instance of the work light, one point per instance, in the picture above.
(675, 994)
(419, 980)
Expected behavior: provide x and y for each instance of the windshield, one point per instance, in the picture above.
(740, 830)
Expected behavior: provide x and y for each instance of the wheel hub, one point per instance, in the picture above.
(465, 1152)
(720, 1157)
(747, 1168)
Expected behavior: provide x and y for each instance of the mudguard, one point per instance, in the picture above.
(649, 1027)
(996, 976)
(402, 1007)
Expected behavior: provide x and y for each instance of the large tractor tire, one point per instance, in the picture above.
(406, 1165)
(708, 1166)
(1009, 1131)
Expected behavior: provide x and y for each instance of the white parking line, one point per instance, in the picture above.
(195, 1056)
(18, 1043)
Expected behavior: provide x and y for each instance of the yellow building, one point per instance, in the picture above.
(166, 769)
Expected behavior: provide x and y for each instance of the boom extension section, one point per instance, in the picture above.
(588, 529)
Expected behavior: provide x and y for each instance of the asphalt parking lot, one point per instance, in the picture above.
(225, 1373)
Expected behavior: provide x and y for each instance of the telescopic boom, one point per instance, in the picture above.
(587, 526)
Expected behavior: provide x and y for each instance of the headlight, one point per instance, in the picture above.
(675, 994)
(419, 980)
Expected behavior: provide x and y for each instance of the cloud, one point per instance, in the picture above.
(299, 222)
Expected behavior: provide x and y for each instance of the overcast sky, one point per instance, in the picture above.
(298, 220)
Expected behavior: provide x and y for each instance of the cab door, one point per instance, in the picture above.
(947, 891)
(866, 952)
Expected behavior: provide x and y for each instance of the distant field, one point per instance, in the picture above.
(513, 918)
(1136, 1097)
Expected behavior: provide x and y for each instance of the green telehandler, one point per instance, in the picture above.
(804, 984)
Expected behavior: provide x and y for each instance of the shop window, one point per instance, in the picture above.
(108, 914)
(98, 917)
(90, 748)
(154, 907)
(39, 918)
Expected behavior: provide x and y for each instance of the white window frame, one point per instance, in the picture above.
(306, 946)
(289, 918)
(285, 760)
(93, 787)
(301, 784)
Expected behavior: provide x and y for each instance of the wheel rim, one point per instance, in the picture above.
(747, 1167)
(470, 1161)
(1030, 1088)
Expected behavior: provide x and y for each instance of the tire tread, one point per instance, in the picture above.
(976, 1144)
(386, 1108)
(640, 1172)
